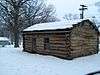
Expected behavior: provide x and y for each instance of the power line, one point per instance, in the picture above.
(82, 9)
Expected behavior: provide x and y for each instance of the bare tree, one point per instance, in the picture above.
(19, 14)
(71, 16)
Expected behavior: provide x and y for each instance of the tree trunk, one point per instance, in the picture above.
(12, 37)
(16, 39)
(16, 25)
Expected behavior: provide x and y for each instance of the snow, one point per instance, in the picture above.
(53, 25)
(15, 62)
(99, 29)
(4, 39)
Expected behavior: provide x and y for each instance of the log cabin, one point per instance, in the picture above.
(62, 39)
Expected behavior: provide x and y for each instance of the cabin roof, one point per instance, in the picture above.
(53, 25)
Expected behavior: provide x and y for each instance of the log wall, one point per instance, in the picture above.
(28, 43)
(83, 40)
(59, 43)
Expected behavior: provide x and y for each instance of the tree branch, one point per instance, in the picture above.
(9, 2)
(21, 2)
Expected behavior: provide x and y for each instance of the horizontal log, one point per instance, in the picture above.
(57, 40)
(60, 49)
(28, 47)
(39, 44)
(64, 39)
(28, 50)
(30, 42)
(60, 55)
(85, 40)
(52, 52)
(28, 37)
(83, 45)
(58, 35)
(39, 48)
(59, 43)
(43, 51)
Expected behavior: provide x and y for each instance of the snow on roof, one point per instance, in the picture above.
(53, 25)
(4, 39)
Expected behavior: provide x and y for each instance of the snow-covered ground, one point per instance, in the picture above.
(15, 62)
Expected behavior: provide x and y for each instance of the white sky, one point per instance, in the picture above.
(72, 6)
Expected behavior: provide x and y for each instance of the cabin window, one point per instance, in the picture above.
(46, 43)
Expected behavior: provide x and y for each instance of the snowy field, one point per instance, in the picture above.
(15, 62)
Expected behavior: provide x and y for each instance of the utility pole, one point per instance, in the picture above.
(82, 9)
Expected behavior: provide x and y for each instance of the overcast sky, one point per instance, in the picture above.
(72, 6)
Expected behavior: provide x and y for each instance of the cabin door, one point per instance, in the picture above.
(34, 45)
